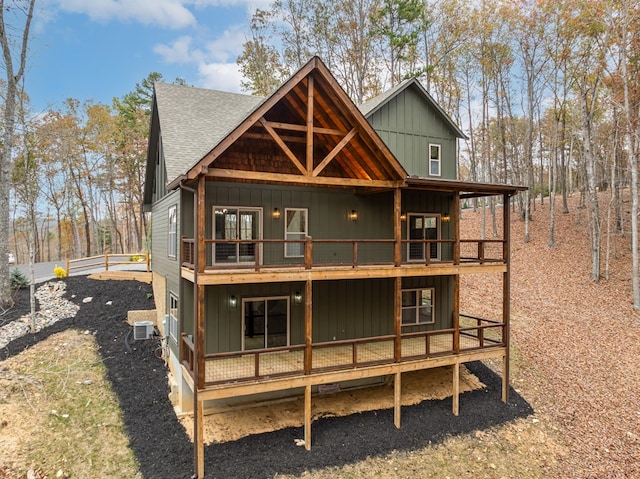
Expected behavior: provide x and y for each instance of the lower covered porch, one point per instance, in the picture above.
(256, 365)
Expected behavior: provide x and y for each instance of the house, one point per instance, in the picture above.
(299, 241)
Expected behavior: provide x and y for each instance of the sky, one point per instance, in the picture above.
(99, 49)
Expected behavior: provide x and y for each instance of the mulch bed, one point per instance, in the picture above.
(164, 450)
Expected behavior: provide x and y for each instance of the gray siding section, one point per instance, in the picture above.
(161, 263)
(408, 125)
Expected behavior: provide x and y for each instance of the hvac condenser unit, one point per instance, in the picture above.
(142, 329)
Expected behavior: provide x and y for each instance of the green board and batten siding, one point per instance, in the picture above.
(407, 124)
(345, 309)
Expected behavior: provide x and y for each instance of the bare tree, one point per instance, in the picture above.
(13, 76)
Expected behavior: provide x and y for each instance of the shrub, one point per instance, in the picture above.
(59, 272)
(18, 280)
(135, 258)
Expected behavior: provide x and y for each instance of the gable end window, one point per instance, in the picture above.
(417, 306)
(435, 162)
(172, 236)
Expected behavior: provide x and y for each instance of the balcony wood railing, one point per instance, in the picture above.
(259, 364)
(313, 253)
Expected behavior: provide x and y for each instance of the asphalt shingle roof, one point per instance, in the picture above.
(194, 120)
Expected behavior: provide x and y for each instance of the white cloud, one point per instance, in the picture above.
(179, 51)
(167, 13)
(220, 76)
(229, 45)
(215, 61)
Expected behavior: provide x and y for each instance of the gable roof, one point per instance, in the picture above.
(370, 107)
(313, 110)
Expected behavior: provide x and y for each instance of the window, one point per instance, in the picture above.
(172, 236)
(417, 306)
(173, 316)
(296, 227)
(265, 322)
(434, 160)
(423, 227)
(242, 224)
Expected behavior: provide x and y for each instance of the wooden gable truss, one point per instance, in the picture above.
(307, 132)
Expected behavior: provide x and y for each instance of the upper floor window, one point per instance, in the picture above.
(296, 228)
(172, 236)
(435, 160)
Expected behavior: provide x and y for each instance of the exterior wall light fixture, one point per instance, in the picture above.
(297, 297)
(275, 214)
(353, 215)
(446, 217)
(233, 302)
(403, 217)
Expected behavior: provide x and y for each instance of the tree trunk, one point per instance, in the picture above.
(12, 80)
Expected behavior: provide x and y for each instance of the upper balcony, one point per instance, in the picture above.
(240, 261)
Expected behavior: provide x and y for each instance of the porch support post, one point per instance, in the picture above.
(397, 320)
(456, 389)
(455, 220)
(397, 398)
(199, 310)
(506, 293)
(397, 227)
(308, 326)
(456, 313)
(307, 417)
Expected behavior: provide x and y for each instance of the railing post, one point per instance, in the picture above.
(68, 267)
(257, 255)
(147, 258)
(106, 262)
(256, 363)
(481, 251)
(355, 254)
(308, 252)
(480, 333)
(427, 251)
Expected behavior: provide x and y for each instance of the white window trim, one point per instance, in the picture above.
(417, 307)
(172, 236)
(173, 320)
(260, 230)
(438, 160)
(267, 298)
(306, 230)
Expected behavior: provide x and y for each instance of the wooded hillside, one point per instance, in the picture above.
(546, 91)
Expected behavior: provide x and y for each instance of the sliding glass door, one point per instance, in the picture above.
(265, 322)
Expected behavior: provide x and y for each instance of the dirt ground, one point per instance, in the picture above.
(234, 423)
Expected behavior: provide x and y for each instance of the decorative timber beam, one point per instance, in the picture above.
(283, 146)
(310, 102)
(332, 154)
